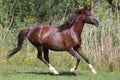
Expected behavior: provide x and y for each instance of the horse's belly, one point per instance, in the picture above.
(57, 49)
(56, 46)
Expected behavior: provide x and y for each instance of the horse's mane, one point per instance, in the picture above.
(68, 23)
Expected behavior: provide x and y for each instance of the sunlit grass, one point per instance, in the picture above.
(22, 72)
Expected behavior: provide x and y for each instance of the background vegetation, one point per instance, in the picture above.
(102, 44)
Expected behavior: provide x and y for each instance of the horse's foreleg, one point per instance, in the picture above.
(73, 53)
(46, 57)
(81, 53)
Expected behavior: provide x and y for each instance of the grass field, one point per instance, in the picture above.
(22, 72)
(25, 66)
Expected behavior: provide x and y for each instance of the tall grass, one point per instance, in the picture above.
(101, 45)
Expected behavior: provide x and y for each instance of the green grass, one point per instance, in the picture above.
(22, 72)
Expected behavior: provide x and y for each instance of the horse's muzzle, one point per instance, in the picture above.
(95, 22)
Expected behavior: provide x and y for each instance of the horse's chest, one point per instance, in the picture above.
(72, 41)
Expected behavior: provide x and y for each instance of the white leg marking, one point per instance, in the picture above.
(52, 69)
(72, 69)
(93, 70)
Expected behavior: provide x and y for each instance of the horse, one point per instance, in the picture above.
(65, 37)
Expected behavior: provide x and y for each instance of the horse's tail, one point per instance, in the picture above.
(21, 36)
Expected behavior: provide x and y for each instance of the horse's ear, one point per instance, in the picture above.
(78, 11)
(89, 8)
(85, 7)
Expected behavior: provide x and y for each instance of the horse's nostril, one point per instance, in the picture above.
(95, 22)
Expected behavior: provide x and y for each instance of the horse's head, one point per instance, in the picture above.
(87, 17)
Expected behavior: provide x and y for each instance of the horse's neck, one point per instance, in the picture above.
(78, 27)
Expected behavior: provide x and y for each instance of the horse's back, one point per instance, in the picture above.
(46, 36)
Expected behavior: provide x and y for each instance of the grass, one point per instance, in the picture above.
(22, 72)
(25, 66)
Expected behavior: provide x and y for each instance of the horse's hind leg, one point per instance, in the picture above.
(46, 57)
(39, 55)
(46, 54)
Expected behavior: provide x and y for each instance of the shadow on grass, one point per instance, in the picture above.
(48, 73)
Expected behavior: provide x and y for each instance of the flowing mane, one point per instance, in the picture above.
(68, 23)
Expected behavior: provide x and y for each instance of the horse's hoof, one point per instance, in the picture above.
(52, 70)
(94, 72)
(72, 70)
(55, 72)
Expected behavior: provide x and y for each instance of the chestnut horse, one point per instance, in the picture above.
(66, 37)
